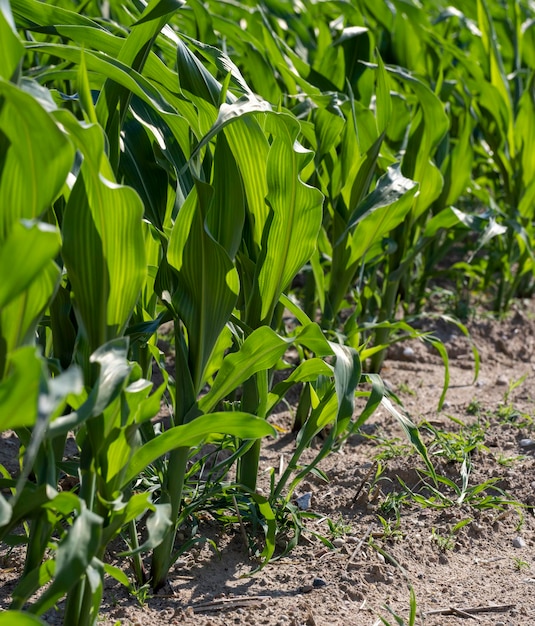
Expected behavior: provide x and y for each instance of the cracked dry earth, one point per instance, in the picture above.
(456, 558)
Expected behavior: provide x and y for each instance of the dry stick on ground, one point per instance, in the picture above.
(368, 474)
(359, 545)
(470, 611)
(226, 604)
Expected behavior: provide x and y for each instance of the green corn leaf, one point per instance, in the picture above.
(347, 372)
(74, 555)
(260, 351)
(25, 252)
(307, 371)
(270, 528)
(228, 112)
(208, 283)
(383, 97)
(136, 505)
(226, 216)
(243, 425)
(427, 131)
(525, 133)
(114, 98)
(158, 525)
(194, 77)
(380, 212)
(18, 618)
(31, 13)
(412, 432)
(104, 247)
(141, 171)
(19, 318)
(35, 158)
(12, 48)
(19, 390)
(295, 216)
(160, 8)
(498, 75)
(250, 148)
(113, 373)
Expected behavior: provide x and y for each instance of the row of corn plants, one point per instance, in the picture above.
(265, 176)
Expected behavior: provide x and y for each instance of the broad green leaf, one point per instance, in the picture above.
(19, 318)
(18, 618)
(427, 130)
(307, 371)
(194, 77)
(295, 215)
(115, 97)
(226, 215)
(383, 97)
(381, 211)
(242, 425)
(160, 8)
(208, 283)
(228, 112)
(525, 133)
(141, 171)
(260, 351)
(26, 252)
(31, 13)
(158, 524)
(19, 390)
(498, 75)
(103, 248)
(12, 48)
(36, 160)
(347, 371)
(113, 373)
(74, 554)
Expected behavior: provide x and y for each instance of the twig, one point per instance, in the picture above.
(368, 474)
(242, 527)
(462, 613)
(469, 611)
(226, 604)
(359, 545)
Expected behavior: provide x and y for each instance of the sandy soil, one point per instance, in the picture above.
(462, 556)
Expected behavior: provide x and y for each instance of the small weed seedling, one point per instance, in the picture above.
(520, 565)
(338, 528)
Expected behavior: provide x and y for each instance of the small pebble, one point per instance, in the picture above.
(446, 405)
(502, 380)
(338, 542)
(526, 443)
(508, 445)
(518, 542)
(303, 502)
(319, 582)
(499, 623)
(408, 353)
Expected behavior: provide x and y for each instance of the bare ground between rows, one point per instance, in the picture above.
(477, 566)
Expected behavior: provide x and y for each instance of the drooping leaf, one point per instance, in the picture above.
(243, 425)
